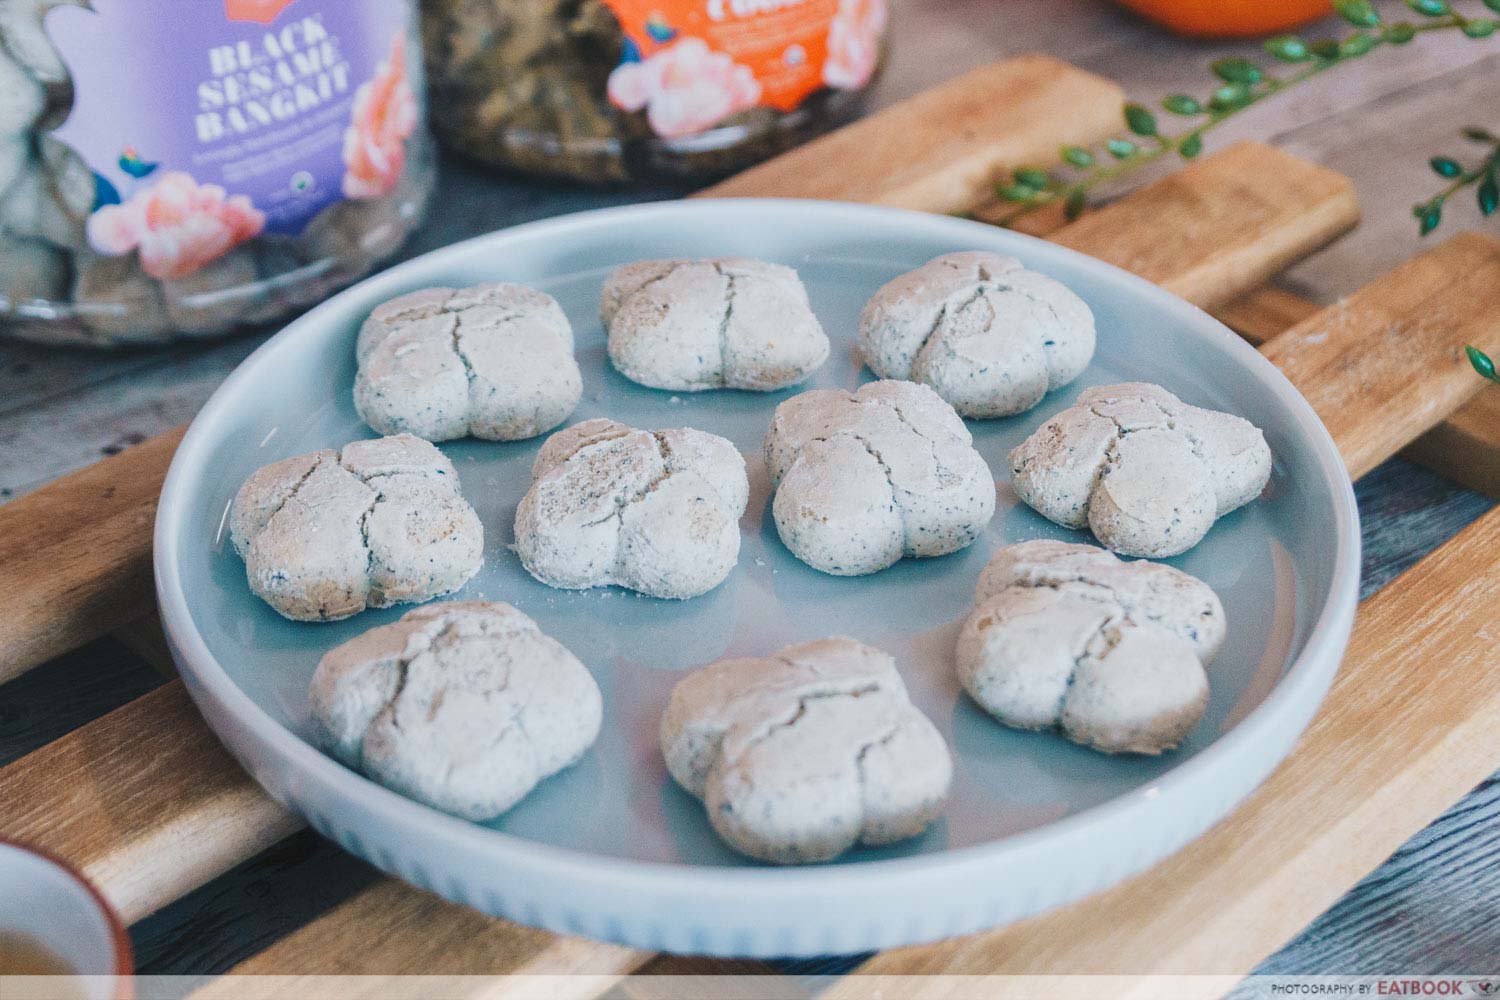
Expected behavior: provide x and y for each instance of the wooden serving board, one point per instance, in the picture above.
(146, 801)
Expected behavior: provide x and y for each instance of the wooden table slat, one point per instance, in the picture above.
(1220, 226)
(944, 149)
(75, 556)
(391, 929)
(1466, 447)
(144, 801)
(1387, 364)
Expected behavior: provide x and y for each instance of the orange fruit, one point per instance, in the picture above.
(1230, 18)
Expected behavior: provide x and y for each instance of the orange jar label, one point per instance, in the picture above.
(690, 64)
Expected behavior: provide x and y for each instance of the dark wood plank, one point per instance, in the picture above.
(77, 688)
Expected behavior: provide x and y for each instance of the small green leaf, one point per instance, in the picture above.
(1482, 363)
(1489, 195)
(1018, 192)
(1227, 98)
(1356, 45)
(1077, 156)
(1191, 145)
(1140, 121)
(1479, 29)
(1033, 178)
(1476, 134)
(1120, 149)
(1445, 166)
(1431, 217)
(1358, 12)
(1237, 70)
(1182, 104)
(1073, 206)
(1400, 34)
(1290, 48)
(1325, 48)
(1430, 8)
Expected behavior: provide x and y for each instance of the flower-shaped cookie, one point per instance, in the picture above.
(464, 705)
(990, 336)
(865, 478)
(799, 756)
(327, 534)
(730, 322)
(493, 361)
(1146, 472)
(653, 511)
(1110, 652)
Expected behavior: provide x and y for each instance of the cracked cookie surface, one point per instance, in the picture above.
(652, 511)
(1109, 652)
(493, 361)
(991, 337)
(463, 705)
(1146, 472)
(800, 755)
(862, 479)
(327, 534)
(722, 323)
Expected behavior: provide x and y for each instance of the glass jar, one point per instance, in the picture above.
(175, 169)
(613, 91)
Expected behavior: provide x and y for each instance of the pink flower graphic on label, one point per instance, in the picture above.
(385, 116)
(854, 43)
(176, 224)
(685, 88)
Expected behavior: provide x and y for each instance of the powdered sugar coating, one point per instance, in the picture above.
(800, 755)
(492, 361)
(865, 478)
(653, 511)
(729, 322)
(991, 337)
(327, 534)
(1146, 472)
(1111, 653)
(463, 705)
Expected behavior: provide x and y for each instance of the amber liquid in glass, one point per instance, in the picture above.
(25, 956)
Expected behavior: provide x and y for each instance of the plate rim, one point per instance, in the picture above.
(1314, 665)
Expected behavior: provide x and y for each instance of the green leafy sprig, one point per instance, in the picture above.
(1241, 83)
(1483, 174)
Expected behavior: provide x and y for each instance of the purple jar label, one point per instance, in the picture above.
(208, 122)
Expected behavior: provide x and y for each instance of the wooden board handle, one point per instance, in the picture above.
(1387, 364)
(143, 800)
(1222, 225)
(944, 149)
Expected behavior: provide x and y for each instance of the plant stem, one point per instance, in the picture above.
(1430, 212)
(1189, 141)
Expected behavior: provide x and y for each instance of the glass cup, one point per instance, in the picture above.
(59, 938)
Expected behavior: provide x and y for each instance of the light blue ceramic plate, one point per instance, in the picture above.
(611, 848)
